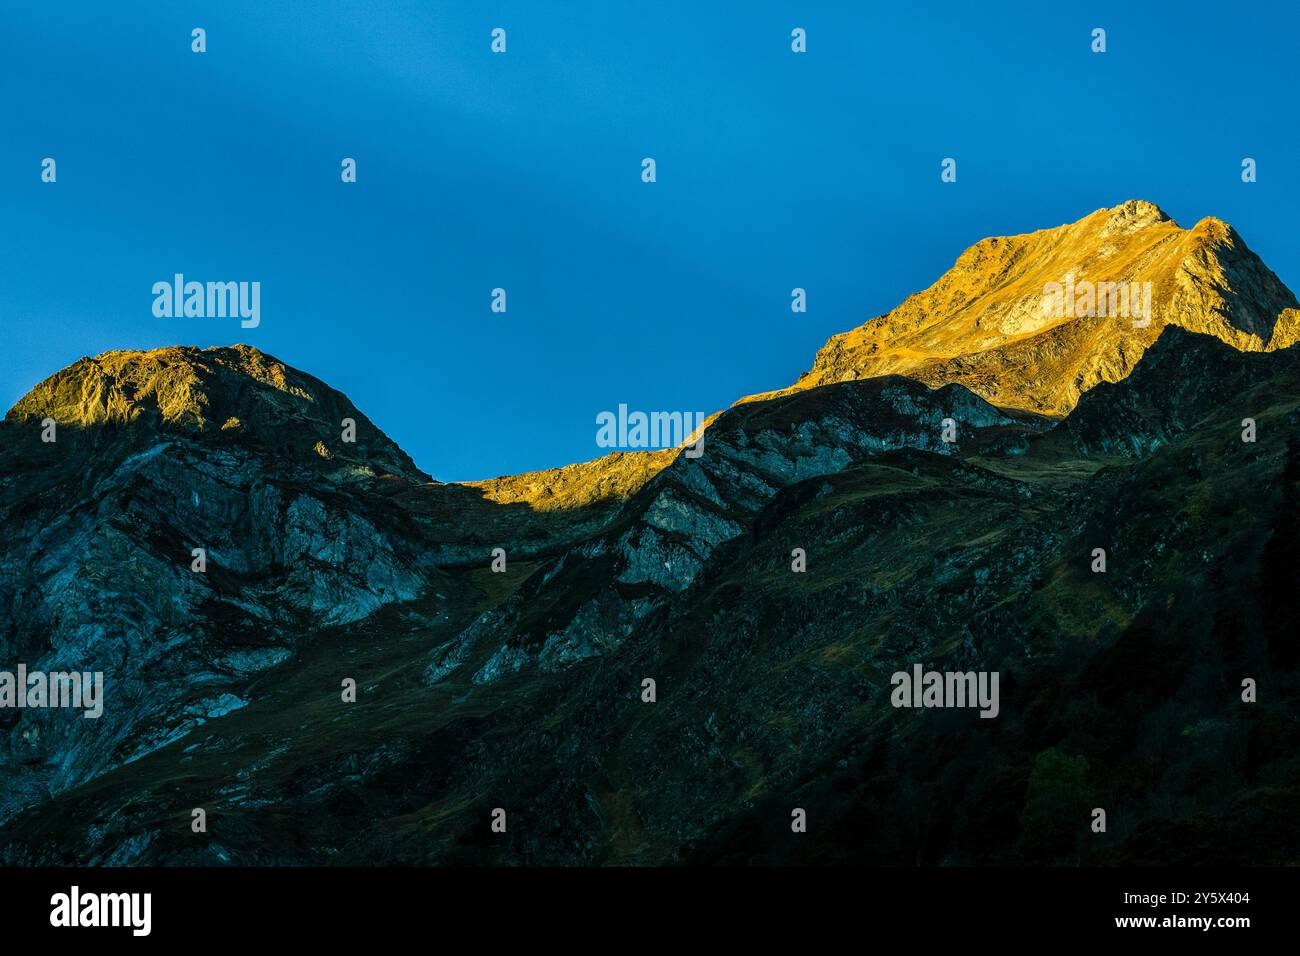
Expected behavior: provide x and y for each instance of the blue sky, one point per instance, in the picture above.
(522, 171)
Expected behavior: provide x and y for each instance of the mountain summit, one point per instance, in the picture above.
(234, 392)
(988, 323)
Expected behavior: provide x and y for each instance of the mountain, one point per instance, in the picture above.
(236, 391)
(984, 324)
(918, 498)
(154, 455)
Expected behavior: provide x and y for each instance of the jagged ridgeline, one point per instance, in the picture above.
(655, 658)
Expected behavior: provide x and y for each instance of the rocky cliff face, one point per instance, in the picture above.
(591, 598)
(154, 456)
(933, 491)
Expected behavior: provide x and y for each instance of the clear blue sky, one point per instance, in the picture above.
(522, 170)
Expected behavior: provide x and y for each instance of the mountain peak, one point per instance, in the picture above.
(184, 387)
(1033, 321)
(231, 392)
(1135, 214)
